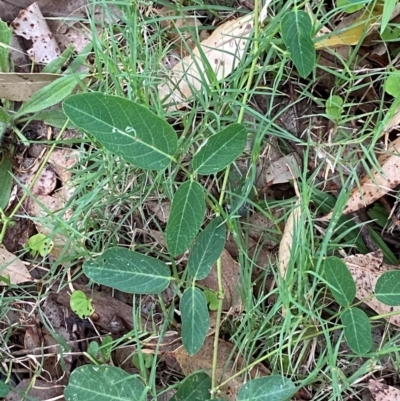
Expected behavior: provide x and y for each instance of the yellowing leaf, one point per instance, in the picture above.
(223, 50)
(11, 267)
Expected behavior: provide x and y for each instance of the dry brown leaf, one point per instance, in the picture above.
(160, 209)
(20, 87)
(383, 392)
(224, 50)
(373, 188)
(285, 247)
(366, 269)
(227, 365)
(31, 25)
(13, 268)
(230, 281)
(278, 171)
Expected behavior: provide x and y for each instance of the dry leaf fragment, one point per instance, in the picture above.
(224, 50)
(31, 25)
(383, 392)
(366, 269)
(373, 188)
(13, 268)
(279, 172)
(227, 365)
(20, 87)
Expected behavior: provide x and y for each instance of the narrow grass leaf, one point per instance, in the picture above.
(220, 150)
(104, 383)
(340, 280)
(187, 214)
(5, 181)
(387, 288)
(194, 388)
(207, 249)
(50, 95)
(195, 319)
(296, 28)
(388, 9)
(125, 128)
(357, 330)
(271, 388)
(4, 121)
(5, 39)
(128, 271)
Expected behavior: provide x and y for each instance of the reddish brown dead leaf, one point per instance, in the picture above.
(373, 188)
(230, 281)
(383, 392)
(366, 269)
(13, 268)
(224, 50)
(227, 365)
(31, 25)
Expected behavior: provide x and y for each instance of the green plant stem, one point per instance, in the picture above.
(26, 193)
(223, 192)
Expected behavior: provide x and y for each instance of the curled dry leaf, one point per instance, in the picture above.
(223, 50)
(383, 392)
(285, 247)
(227, 365)
(230, 281)
(381, 182)
(12, 268)
(31, 25)
(366, 269)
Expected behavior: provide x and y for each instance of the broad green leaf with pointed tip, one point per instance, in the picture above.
(357, 330)
(195, 387)
(296, 28)
(104, 383)
(195, 319)
(334, 107)
(125, 128)
(387, 288)
(81, 304)
(340, 280)
(4, 389)
(187, 214)
(220, 150)
(51, 94)
(5, 181)
(5, 39)
(4, 121)
(270, 388)
(207, 249)
(128, 271)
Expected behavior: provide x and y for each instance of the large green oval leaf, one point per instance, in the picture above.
(128, 271)
(187, 214)
(387, 288)
(357, 330)
(195, 387)
(125, 128)
(195, 319)
(296, 28)
(104, 383)
(220, 150)
(271, 388)
(340, 280)
(207, 249)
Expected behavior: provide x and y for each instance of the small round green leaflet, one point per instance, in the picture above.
(104, 383)
(81, 304)
(195, 387)
(340, 281)
(296, 29)
(125, 128)
(41, 244)
(4, 389)
(195, 319)
(387, 289)
(128, 271)
(334, 107)
(207, 249)
(220, 150)
(392, 84)
(357, 330)
(187, 214)
(270, 388)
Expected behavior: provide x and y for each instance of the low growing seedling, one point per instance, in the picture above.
(81, 304)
